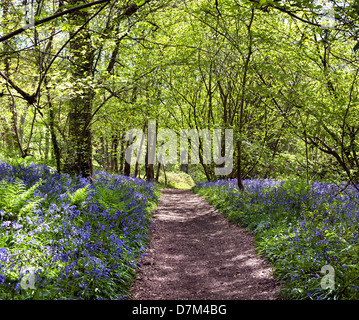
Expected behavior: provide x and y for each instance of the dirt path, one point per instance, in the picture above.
(196, 254)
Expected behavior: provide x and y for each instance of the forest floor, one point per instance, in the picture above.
(196, 254)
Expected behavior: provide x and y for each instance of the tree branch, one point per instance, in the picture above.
(29, 98)
(54, 16)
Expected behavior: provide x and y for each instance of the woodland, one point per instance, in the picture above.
(281, 74)
(76, 75)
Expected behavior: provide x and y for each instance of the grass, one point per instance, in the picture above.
(178, 180)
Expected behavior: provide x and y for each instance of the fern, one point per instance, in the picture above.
(110, 199)
(8, 194)
(79, 196)
(30, 206)
(15, 200)
(115, 200)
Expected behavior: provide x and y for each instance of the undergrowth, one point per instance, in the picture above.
(302, 229)
(79, 240)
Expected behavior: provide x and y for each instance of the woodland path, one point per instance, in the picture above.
(196, 254)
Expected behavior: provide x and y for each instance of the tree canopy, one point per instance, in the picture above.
(75, 76)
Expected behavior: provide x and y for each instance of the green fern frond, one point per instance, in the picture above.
(16, 200)
(79, 196)
(111, 200)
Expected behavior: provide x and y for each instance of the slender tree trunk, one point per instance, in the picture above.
(136, 169)
(164, 172)
(11, 131)
(127, 170)
(114, 153)
(122, 153)
(150, 172)
(55, 144)
(241, 115)
(158, 172)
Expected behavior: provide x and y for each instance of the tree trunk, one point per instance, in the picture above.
(55, 144)
(107, 157)
(241, 115)
(239, 168)
(127, 170)
(11, 129)
(164, 172)
(79, 152)
(150, 172)
(114, 153)
(122, 152)
(136, 169)
(184, 167)
(158, 171)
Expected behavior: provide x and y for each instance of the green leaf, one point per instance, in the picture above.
(140, 2)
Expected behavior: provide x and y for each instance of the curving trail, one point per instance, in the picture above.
(195, 253)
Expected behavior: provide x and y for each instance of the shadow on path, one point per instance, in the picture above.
(195, 253)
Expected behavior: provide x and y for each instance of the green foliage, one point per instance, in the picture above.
(296, 186)
(83, 244)
(296, 101)
(79, 196)
(299, 229)
(16, 201)
(179, 180)
(110, 199)
(115, 201)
